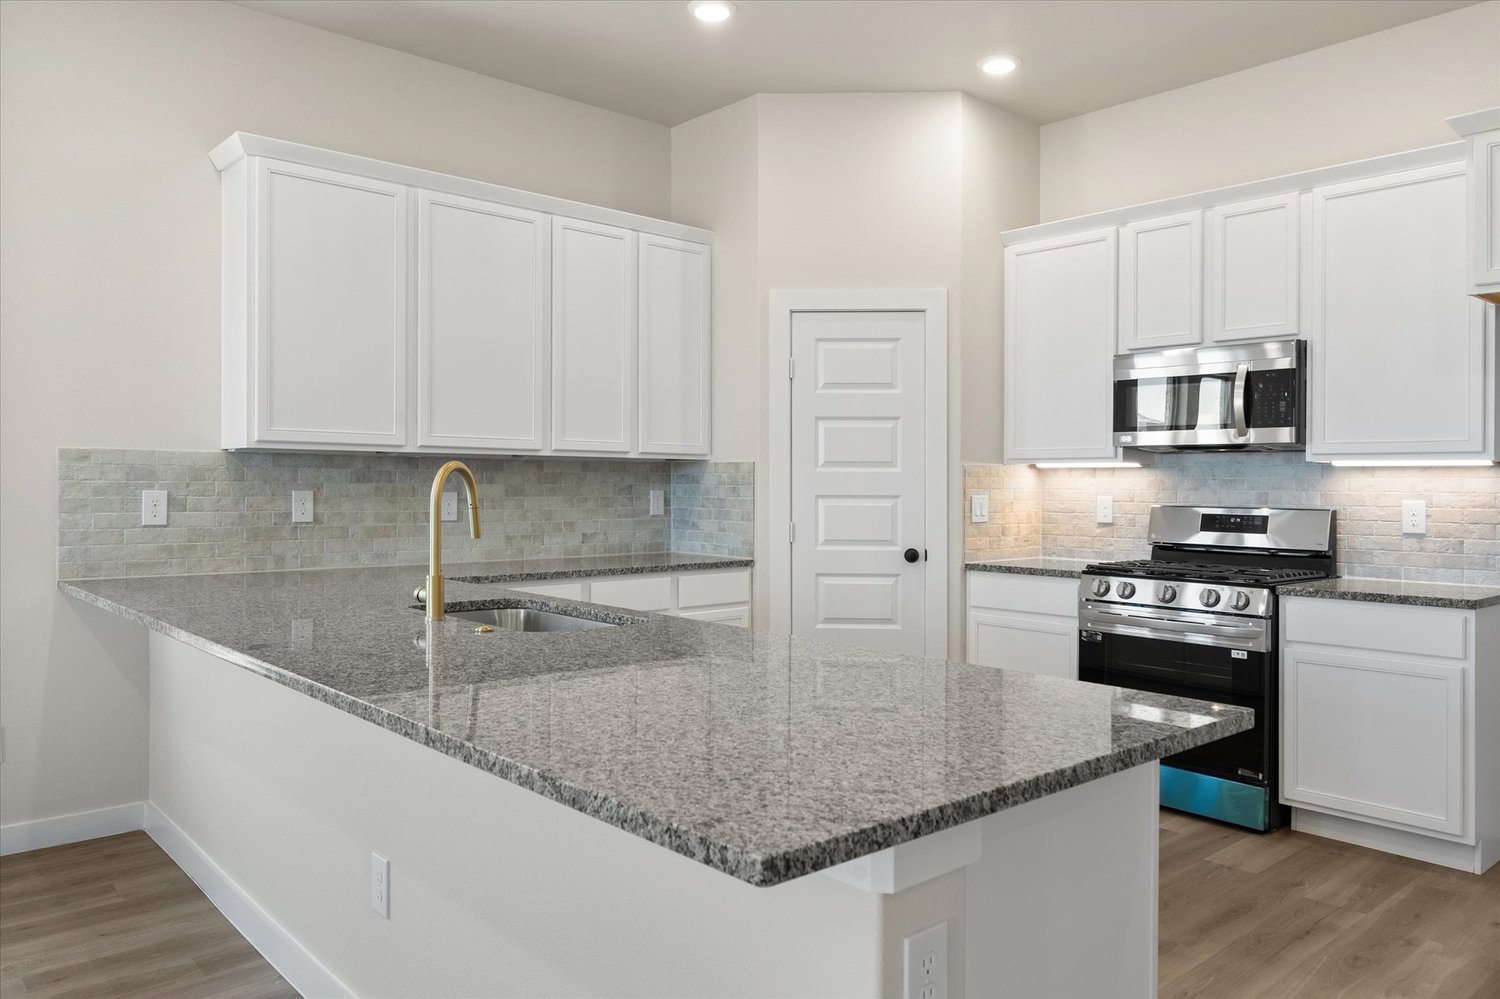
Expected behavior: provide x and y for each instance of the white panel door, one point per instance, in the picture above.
(674, 346)
(1398, 350)
(1161, 282)
(481, 325)
(858, 472)
(593, 337)
(1252, 270)
(330, 354)
(1382, 738)
(1028, 642)
(1059, 348)
(1484, 215)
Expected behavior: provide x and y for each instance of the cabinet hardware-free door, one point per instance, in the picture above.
(593, 337)
(673, 329)
(1252, 270)
(1161, 282)
(481, 325)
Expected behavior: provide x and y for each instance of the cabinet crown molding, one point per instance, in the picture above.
(1475, 122)
(1447, 152)
(242, 144)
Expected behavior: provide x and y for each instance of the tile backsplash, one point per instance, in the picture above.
(1050, 512)
(231, 511)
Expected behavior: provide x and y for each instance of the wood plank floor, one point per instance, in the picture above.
(1288, 914)
(116, 917)
(1247, 916)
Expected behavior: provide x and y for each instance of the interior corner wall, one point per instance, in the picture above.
(109, 288)
(1377, 94)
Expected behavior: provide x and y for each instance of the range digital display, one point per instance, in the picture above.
(1233, 523)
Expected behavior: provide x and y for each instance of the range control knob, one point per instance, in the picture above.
(1209, 598)
(1166, 594)
(1101, 587)
(1240, 600)
(1126, 591)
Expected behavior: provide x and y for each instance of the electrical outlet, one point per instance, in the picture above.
(658, 502)
(154, 508)
(302, 506)
(380, 885)
(1104, 510)
(1413, 516)
(979, 508)
(925, 956)
(450, 506)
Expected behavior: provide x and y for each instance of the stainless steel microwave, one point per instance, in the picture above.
(1244, 397)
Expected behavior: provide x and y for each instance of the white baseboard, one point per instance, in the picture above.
(1458, 856)
(304, 972)
(18, 837)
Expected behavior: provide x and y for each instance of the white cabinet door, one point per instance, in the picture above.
(1374, 737)
(329, 359)
(1161, 282)
(674, 329)
(1484, 215)
(1252, 272)
(1059, 348)
(738, 616)
(1029, 642)
(481, 325)
(593, 337)
(1398, 350)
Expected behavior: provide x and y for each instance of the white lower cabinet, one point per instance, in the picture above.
(1023, 622)
(1388, 727)
(721, 595)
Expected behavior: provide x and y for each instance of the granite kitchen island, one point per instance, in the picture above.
(664, 807)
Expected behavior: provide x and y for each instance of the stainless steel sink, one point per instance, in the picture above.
(527, 619)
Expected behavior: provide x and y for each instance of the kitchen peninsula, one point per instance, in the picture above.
(819, 805)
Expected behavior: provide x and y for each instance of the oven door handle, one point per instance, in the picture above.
(1241, 389)
(1249, 636)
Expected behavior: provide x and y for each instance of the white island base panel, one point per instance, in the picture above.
(273, 802)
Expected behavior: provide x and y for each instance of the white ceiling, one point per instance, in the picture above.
(651, 59)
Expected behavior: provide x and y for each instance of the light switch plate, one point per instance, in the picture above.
(979, 508)
(1104, 510)
(657, 503)
(1414, 516)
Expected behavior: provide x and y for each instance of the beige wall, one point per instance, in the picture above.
(856, 191)
(109, 288)
(1381, 93)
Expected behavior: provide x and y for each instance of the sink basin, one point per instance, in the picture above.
(527, 619)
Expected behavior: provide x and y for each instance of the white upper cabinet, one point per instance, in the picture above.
(319, 352)
(593, 337)
(370, 306)
(1484, 215)
(1402, 364)
(1161, 282)
(1059, 348)
(1251, 270)
(674, 346)
(481, 325)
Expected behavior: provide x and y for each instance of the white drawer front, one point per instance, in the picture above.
(644, 593)
(568, 591)
(1053, 595)
(708, 589)
(1385, 628)
(723, 615)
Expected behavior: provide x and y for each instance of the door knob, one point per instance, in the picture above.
(911, 555)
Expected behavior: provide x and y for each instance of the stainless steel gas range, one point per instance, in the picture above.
(1198, 619)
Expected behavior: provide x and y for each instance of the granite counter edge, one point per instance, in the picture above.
(455, 570)
(1021, 569)
(1322, 591)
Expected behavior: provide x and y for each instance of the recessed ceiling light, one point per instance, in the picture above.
(999, 65)
(712, 11)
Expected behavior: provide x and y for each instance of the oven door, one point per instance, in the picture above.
(1241, 397)
(1214, 658)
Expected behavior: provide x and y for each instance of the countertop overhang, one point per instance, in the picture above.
(763, 756)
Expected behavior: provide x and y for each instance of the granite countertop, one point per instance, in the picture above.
(762, 756)
(581, 567)
(1067, 567)
(1395, 591)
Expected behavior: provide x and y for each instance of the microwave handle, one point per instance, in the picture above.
(1241, 387)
